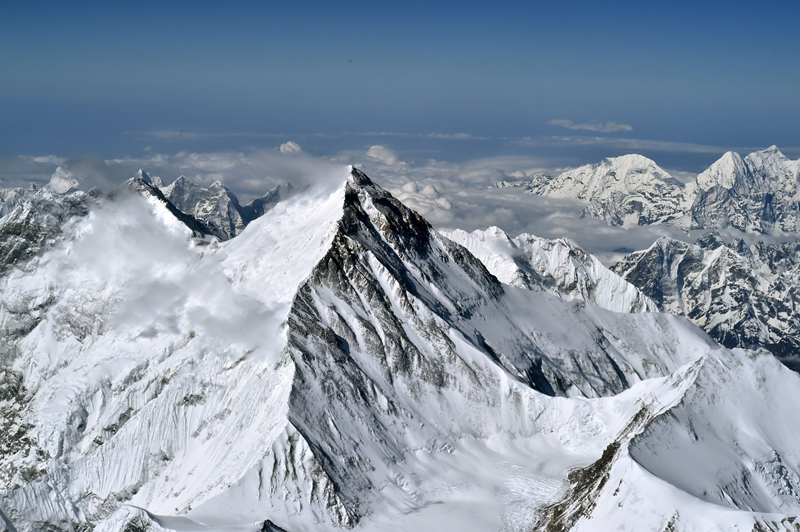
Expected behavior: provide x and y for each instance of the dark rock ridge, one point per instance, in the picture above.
(217, 207)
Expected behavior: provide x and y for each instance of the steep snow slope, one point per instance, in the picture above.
(148, 360)
(337, 364)
(559, 267)
(720, 459)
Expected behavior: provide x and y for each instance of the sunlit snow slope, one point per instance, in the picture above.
(341, 364)
(560, 267)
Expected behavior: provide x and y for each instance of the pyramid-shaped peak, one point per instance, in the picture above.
(769, 154)
(358, 177)
(723, 172)
(62, 181)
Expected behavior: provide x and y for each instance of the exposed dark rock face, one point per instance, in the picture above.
(34, 223)
(372, 334)
(217, 207)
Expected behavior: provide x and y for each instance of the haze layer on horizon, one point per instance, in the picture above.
(679, 82)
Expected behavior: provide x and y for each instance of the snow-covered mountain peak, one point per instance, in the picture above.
(773, 164)
(358, 178)
(62, 181)
(626, 172)
(724, 172)
(759, 192)
(625, 190)
(635, 164)
(216, 206)
(340, 364)
(149, 178)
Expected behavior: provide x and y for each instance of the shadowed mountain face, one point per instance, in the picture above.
(743, 296)
(341, 364)
(217, 207)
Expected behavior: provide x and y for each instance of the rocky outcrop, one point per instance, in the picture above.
(743, 296)
(217, 207)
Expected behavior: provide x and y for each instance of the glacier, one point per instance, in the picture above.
(338, 363)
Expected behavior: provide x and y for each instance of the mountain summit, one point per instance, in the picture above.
(760, 192)
(340, 364)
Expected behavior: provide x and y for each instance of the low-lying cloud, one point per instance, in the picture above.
(248, 174)
(449, 195)
(608, 127)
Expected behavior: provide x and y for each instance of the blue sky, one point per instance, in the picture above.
(116, 78)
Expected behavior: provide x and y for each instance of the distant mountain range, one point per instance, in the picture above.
(757, 193)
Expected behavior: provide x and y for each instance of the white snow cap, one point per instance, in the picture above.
(62, 181)
(723, 172)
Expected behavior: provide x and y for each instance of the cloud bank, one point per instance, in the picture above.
(450, 195)
(608, 127)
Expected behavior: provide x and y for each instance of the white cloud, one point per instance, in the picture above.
(382, 154)
(290, 147)
(454, 196)
(608, 127)
(183, 134)
(579, 143)
(449, 195)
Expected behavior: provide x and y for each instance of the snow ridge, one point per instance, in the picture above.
(559, 267)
